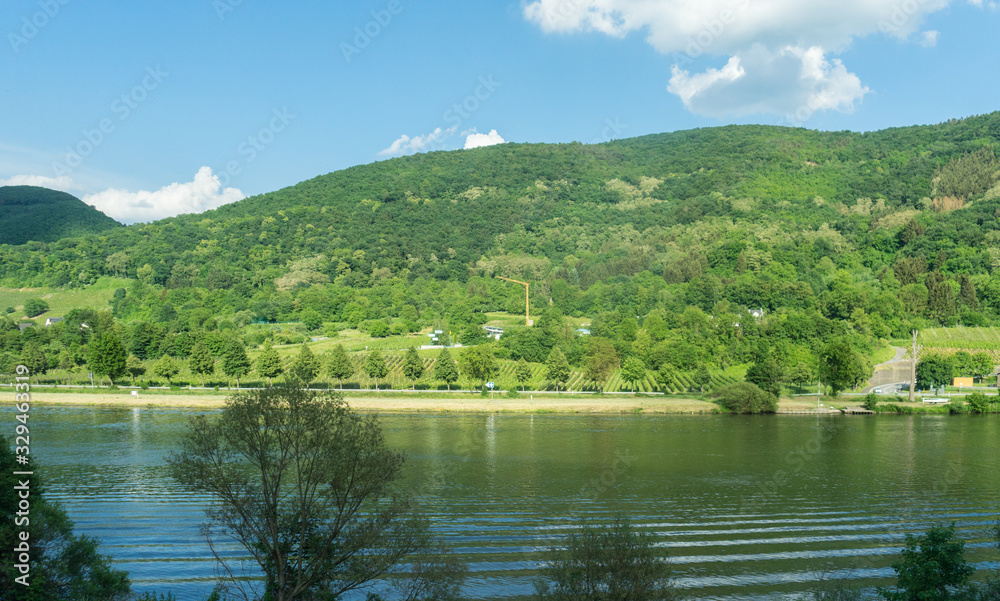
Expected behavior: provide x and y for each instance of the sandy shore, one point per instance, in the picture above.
(540, 404)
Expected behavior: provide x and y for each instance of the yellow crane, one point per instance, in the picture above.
(527, 303)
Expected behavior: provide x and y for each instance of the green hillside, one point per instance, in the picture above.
(33, 213)
(661, 243)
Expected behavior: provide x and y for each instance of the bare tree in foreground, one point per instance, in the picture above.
(306, 487)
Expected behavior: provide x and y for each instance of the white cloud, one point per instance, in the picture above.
(928, 39)
(793, 83)
(205, 192)
(404, 144)
(777, 49)
(64, 182)
(478, 140)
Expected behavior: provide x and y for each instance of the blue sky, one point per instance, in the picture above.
(149, 109)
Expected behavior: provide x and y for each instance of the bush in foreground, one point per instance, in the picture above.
(745, 398)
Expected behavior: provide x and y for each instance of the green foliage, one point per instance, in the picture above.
(556, 368)
(479, 363)
(33, 213)
(33, 307)
(166, 368)
(841, 366)
(980, 403)
(134, 367)
(607, 564)
(64, 567)
(930, 567)
(523, 372)
(633, 370)
(445, 368)
(269, 364)
(870, 401)
(339, 365)
(376, 367)
(107, 356)
(305, 367)
(934, 370)
(767, 374)
(600, 361)
(235, 362)
(201, 361)
(745, 398)
(413, 366)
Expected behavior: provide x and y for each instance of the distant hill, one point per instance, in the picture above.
(33, 213)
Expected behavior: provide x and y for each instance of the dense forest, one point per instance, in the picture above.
(663, 243)
(33, 213)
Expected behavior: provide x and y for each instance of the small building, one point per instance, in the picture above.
(583, 331)
(51, 320)
(24, 326)
(962, 382)
(493, 332)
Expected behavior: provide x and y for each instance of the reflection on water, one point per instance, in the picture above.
(748, 508)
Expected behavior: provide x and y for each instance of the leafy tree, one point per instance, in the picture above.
(556, 368)
(934, 370)
(64, 567)
(307, 487)
(312, 320)
(841, 366)
(982, 364)
(870, 401)
(602, 359)
(33, 307)
(607, 564)
(378, 329)
(767, 374)
(33, 357)
(746, 398)
(413, 366)
(306, 365)
(801, 374)
(929, 567)
(963, 364)
(235, 362)
(979, 402)
(107, 356)
(166, 367)
(633, 370)
(339, 365)
(134, 367)
(665, 375)
(376, 367)
(445, 368)
(478, 363)
(702, 377)
(201, 361)
(269, 364)
(522, 372)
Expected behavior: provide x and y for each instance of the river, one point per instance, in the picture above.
(747, 507)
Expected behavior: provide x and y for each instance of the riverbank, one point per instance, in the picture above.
(389, 402)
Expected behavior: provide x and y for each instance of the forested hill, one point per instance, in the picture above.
(33, 213)
(874, 232)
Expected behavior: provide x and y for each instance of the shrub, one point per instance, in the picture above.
(745, 398)
(870, 400)
(33, 307)
(978, 403)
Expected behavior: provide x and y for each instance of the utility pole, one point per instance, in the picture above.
(913, 366)
(527, 304)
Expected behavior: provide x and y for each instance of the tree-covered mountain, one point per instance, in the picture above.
(664, 241)
(44, 215)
